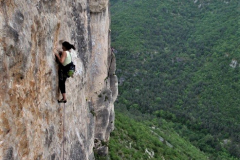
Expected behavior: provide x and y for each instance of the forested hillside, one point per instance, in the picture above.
(178, 60)
(135, 139)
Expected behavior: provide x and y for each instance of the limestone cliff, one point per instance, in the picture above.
(33, 125)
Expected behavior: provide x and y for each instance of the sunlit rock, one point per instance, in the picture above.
(31, 120)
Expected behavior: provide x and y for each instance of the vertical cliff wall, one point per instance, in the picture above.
(31, 120)
(102, 68)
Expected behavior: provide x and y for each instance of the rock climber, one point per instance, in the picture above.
(64, 58)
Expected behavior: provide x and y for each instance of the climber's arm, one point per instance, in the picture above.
(62, 58)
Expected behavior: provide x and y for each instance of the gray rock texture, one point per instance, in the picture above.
(33, 126)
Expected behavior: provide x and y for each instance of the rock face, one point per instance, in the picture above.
(32, 124)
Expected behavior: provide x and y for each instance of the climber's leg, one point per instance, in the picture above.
(64, 96)
(62, 87)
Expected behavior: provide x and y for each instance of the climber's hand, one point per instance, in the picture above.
(55, 50)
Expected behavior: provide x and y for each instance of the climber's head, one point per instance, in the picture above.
(67, 46)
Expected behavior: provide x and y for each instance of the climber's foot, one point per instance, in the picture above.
(62, 101)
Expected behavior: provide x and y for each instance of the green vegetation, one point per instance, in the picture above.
(93, 113)
(134, 140)
(173, 62)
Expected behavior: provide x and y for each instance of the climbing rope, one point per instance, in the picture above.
(63, 139)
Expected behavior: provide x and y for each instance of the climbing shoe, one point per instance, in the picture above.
(62, 101)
